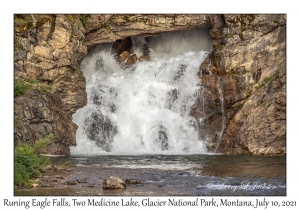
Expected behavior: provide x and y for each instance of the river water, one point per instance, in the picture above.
(170, 175)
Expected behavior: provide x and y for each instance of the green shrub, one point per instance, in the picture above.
(219, 46)
(46, 88)
(18, 122)
(41, 143)
(22, 24)
(83, 19)
(42, 20)
(21, 177)
(20, 88)
(70, 18)
(79, 71)
(127, 17)
(33, 81)
(27, 162)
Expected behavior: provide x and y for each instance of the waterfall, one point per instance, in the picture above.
(144, 108)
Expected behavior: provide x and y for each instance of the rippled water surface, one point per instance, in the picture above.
(169, 175)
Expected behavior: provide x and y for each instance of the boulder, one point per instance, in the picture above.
(124, 55)
(113, 182)
(131, 60)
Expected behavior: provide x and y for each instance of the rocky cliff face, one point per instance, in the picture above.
(109, 28)
(249, 57)
(246, 69)
(49, 86)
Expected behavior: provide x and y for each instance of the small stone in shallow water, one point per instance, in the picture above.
(45, 179)
(133, 181)
(71, 182)
(35, 185)
(49, 167)
(81, 180)
(113, 182)
(47, 185)
(90, 185)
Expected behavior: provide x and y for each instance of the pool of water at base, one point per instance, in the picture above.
(167, 175)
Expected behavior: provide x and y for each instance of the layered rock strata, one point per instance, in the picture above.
(49, 85)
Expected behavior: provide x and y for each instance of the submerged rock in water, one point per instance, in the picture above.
(113, 182)
(47, 185)
(82, 180)
(71, 182)
(133, 181)
(144, 58)
(90, 185)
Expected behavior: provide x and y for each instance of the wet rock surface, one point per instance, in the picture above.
(113, 182)
(249, 57)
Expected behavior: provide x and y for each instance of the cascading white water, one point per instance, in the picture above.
(144, 108)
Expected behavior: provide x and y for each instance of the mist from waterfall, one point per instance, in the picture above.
(144, 108)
